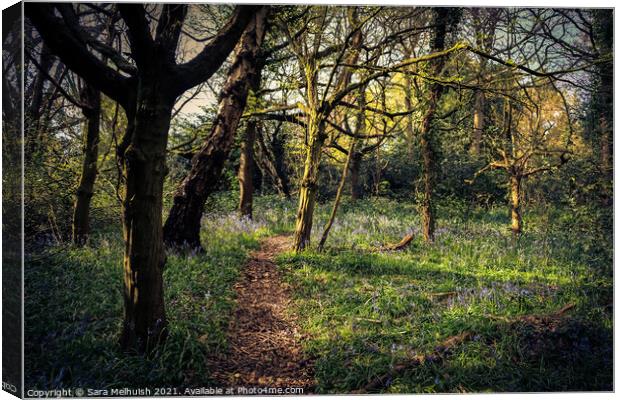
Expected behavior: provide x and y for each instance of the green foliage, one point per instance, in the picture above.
(363, 310)
(74, 311)
(368, 311)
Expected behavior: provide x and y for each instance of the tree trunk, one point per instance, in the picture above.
(409, 127)
(284, 186)
(428, 204)
(182, 228)
(36, 103)
(145, 324)
(515, 205)
(354, 168)
(442, 16)
(309, 184)
(479, 102)
(246, 160)
(81, 226)
(246, 170)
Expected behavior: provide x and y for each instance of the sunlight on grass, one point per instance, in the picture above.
(364, 311)
(367, 310)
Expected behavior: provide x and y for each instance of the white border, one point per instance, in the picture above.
(488, 3)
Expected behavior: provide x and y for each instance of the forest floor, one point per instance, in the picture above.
(264, 339)
(476, 311)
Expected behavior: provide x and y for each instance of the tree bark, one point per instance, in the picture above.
(443, 19)
(428, 204)
(182, 228)
(81, 211)
(356, 187)
(246, 170)
(246, 160)
(144, 160)
(479, 104)
(442, 16)
(516, 224)
(309, 183)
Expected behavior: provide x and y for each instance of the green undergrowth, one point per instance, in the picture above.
(364, 312)
(367, 311)
(74, 313)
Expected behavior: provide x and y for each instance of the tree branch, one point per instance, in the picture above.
(169, 29)
(61, 40)
(209, 60)
(140, 39)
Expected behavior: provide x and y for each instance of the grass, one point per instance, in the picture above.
(74, 310)
(364, 311)
(367, 311)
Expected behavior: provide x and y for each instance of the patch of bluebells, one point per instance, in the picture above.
(354, 228)
(498, 293)
(232, 223)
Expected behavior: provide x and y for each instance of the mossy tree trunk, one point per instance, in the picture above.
(516, 224)
(91, 99)
(441, 21)
(428, 203)
(309, 183)
(316, 112)
(479, 104)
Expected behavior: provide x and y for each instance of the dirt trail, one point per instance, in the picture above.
(264, 341)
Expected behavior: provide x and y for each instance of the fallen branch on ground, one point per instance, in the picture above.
(440, 351)
(400, 245)
(529, 317)
(446, 347)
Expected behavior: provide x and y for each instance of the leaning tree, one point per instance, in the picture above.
(182, 228)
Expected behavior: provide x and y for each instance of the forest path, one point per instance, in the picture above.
(263, 337)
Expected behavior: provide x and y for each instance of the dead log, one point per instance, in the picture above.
(400, 245)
